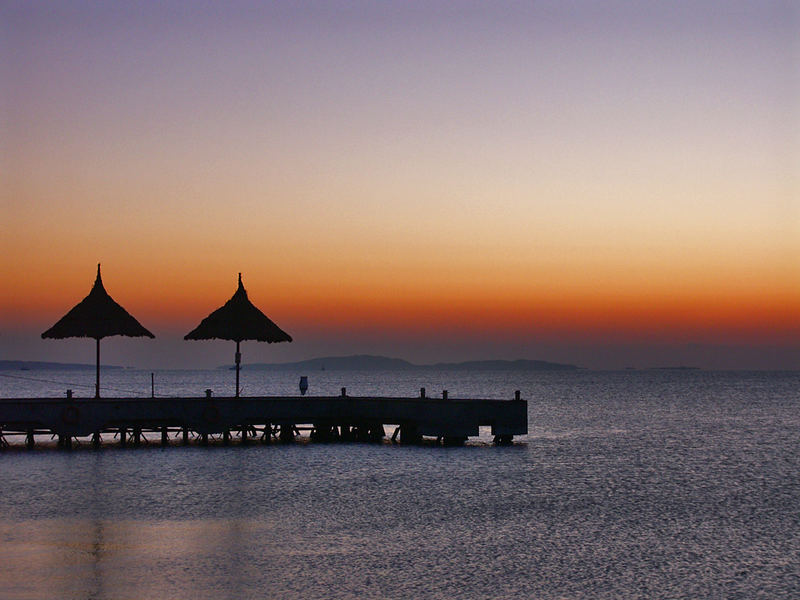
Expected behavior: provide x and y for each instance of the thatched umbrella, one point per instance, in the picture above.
(97, 316)
(238, 320)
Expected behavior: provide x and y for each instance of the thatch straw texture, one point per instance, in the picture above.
(97, 316)
(238, 320)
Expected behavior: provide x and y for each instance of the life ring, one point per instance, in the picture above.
(211, 414)
(71, 415)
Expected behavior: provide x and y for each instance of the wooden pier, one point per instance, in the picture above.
(327, 418)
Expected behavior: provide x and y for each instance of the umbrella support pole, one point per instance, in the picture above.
(97, 371)
(238, 359)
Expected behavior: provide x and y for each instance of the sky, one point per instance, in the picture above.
(608, 184)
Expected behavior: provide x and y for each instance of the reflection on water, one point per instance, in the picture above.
(629, 485)
(78, 558)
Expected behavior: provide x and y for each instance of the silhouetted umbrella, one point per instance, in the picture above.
(97, 316)
(238, 320)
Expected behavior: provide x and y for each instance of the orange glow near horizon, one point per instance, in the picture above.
(499, 306)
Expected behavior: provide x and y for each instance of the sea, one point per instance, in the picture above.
(629, 484)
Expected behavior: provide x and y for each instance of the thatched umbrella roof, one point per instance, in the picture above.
(97, 316)
(238, 320)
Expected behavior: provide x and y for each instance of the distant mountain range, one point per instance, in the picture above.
(367, 362)
(35, 365)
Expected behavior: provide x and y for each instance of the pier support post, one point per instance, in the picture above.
(454, 440)
(96, 439)
(287, 432)
(376, 433)
(122, 434)
(409, 434)
(164, 436)
(204, 439)
(226, 436)
(324, 431)
(29, 441)
(185, 436)
(245, 435)
(316, 434)
(137, 436)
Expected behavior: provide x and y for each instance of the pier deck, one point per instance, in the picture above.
(327, 417)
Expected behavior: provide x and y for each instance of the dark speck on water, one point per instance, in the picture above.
(631, 484)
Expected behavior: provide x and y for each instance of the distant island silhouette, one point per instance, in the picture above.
(357, 362)
(36, 365)
(368, 362)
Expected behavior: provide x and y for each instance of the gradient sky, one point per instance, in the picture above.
(609, 184)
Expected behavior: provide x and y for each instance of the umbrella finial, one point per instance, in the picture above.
(98, 282)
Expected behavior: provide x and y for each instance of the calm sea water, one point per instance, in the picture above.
(629, 485)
